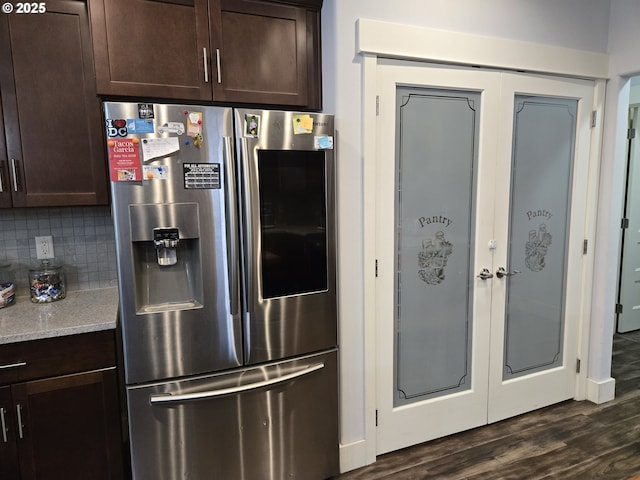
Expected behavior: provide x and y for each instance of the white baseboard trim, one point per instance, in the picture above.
(601, 391)
(353, 455)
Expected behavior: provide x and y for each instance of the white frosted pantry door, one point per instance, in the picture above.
(475, 187)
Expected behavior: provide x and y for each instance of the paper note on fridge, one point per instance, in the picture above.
(159, 147)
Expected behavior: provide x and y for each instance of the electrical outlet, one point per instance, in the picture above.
(44, 247)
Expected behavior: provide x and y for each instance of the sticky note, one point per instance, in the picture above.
(302, 124)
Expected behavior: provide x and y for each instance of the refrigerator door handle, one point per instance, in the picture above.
(169, 398)
(249, 242)
(233, 259)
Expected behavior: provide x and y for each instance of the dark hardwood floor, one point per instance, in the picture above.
(571, 440)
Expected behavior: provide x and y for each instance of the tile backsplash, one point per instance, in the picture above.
(83, 243)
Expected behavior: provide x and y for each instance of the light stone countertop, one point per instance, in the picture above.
(81, 311)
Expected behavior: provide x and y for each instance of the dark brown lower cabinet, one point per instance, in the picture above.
(63, 427)
(8, 447)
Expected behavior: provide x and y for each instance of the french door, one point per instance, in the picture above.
(480, 201)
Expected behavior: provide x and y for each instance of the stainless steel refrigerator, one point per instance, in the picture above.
(225, 232)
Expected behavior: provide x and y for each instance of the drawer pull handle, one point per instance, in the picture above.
(13, 365)
(3, 425)
(20, 425)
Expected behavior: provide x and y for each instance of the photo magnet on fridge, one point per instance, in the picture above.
(251, 125)
(145, 110)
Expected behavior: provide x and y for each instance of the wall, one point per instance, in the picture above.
(624, 38)
(581, 24)
(83, 242)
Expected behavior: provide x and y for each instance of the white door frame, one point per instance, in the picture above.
(376, 39)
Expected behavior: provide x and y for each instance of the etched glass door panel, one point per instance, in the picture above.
(436, 154)
(543, 151)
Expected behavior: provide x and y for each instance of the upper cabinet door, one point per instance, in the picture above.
(52, 122)
(5, 181)
(151, 48)
(265, 53)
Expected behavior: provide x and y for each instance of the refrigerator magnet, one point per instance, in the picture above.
(138, 126)
(323, 142)
(153, 148)
(201, 175)
(172, 127)
(117, 128)
(302, 124)
(194, 123)
(145, 110)
(124, 159)
(251, 125)
(155, 172)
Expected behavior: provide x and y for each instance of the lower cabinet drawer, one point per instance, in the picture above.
(24, 361)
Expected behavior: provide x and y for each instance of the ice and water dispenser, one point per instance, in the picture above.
(165, 241)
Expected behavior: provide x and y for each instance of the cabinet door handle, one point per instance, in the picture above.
(3, 425)
(20, 425)
(204, 62)
(1, 182)
(13, 365)
(14, 172)
(218, 65)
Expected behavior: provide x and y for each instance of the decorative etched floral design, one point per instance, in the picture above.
(536, 248)
(433, 258)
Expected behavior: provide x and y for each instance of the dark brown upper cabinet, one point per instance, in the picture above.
(255, 52)
(265, 53)
(54, 152)
(151, 48)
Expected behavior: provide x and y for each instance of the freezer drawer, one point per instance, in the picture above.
(264, 423)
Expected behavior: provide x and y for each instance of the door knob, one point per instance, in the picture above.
(485, 274)
(501, 272)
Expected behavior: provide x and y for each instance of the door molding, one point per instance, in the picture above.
(393, 40)
(377, 41)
